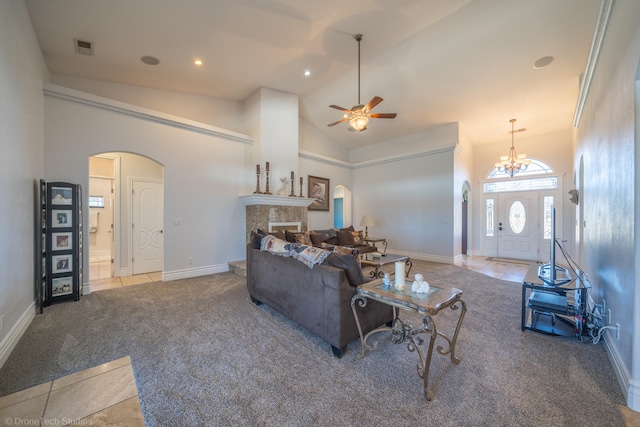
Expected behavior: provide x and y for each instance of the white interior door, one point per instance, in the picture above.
(518, 225)
(147, 226)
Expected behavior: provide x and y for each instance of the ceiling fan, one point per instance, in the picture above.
(358, 116)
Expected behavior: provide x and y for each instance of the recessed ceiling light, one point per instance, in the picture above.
(543, 62)
(307, 73)
(150, 60)
(197, 61)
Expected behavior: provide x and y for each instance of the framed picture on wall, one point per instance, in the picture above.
(61, 286)
(62, 263)
(61, 241)
(61, 195)
(60, 218)
(319, 191)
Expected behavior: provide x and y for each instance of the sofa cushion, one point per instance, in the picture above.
(349, 264)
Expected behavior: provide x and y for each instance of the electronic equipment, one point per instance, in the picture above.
(553, 274)
(548, 301)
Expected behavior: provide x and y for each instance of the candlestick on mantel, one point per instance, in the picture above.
(300, 188)
(257, 180)
(266, 190)
(293, 192)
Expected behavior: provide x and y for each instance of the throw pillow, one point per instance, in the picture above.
(256, 239)
(275, 246)
(290, 236)
(316, 239)
(303, 238)
(349, 264)
(350, 238)
(309, 255)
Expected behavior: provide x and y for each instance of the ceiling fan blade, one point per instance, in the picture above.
(339, 121)
(383, 115)
(340, 108)
(374, 101)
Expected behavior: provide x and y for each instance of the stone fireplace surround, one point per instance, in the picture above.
(262, 210)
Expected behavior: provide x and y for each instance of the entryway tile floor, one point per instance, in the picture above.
(105, 395)
(498, 268)
(100, 277)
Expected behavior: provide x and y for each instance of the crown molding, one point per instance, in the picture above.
(107, 104)
(592, 60)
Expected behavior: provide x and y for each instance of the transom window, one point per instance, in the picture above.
(546, 183)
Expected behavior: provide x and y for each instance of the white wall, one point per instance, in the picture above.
(315, 141)
(337, 175)
(606, 145)
(410, 196)
(203, 177)
(22, 72)
(218, 112)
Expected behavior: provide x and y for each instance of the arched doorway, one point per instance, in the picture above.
(341, 207)
(125, 222)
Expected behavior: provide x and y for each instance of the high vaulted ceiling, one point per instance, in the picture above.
(433, 61)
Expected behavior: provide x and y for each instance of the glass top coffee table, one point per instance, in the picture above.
(427, 304)
(368, 260)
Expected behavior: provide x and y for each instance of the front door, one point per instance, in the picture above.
(147, 226)
(518, 222)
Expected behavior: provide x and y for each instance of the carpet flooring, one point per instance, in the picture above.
(204, 355)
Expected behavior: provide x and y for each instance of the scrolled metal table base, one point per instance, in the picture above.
(404, 332)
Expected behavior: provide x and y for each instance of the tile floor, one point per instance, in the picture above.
(100, 277)
(100, 396)
(509, 270)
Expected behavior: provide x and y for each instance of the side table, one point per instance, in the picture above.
(429, 305)
(374, 240)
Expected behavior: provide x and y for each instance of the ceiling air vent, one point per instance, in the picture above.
(83, 47)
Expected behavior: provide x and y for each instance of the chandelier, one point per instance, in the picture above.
(513, 163)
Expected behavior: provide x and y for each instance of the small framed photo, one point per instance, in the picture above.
(61, 286)
(319, 190)
(61, 241)
(60, 218)
(61, 196)
(62, 263)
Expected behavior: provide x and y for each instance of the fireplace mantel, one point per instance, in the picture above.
(264, 209)
(273, 200)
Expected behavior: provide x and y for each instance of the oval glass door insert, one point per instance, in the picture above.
(517, 217)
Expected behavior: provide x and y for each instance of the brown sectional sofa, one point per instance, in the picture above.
(318, 298)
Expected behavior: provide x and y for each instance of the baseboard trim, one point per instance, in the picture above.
(194, 272)
(425, 257)
(633, 397)
(622, 373)
(11, 340)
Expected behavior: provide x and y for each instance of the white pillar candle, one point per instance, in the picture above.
(399, 275)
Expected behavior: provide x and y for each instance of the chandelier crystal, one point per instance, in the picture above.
(513, 163)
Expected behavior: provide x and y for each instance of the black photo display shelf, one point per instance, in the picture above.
(61, 230)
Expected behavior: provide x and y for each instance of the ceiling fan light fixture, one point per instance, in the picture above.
(359, 115)
(359, 120)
